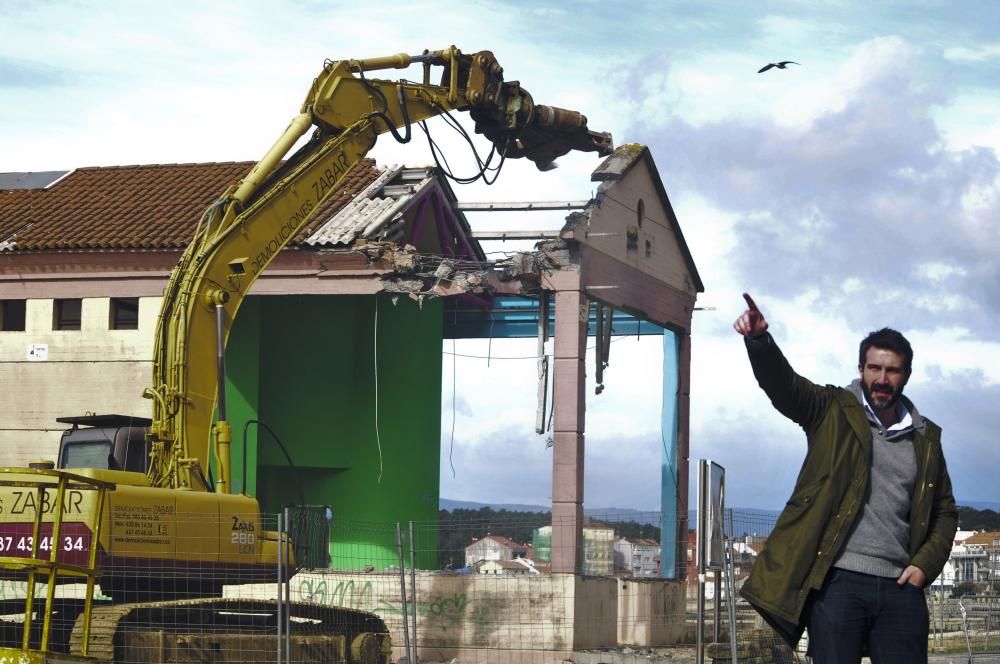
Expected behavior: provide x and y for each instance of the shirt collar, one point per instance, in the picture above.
(903, 417)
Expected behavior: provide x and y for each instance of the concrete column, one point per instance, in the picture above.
(569, 405)
(683, 444)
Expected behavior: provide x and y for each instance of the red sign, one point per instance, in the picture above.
(73, 545)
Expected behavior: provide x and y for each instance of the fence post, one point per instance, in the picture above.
(939, 635)
(413, 592)
(402, 594)
(731, 583)
(281, 560)
(288, 588)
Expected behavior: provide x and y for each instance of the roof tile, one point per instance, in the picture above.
(136, 207)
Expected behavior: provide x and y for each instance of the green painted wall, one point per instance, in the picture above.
(243, 392)
(305, 365)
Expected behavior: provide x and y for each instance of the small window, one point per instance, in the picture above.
(91, 454)
(66, 313)
(640, 211)
(631, 239)
(136, 455)
(12, 315)
(124, 313)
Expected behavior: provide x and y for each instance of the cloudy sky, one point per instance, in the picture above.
(857, 190)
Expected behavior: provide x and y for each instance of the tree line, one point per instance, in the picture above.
(972, 519)
(459, 527)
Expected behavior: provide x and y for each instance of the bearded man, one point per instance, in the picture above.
(872, 518)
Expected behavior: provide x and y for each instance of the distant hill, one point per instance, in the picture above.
(975, 514)
(449, 504)
(596, 513)
(979, 504)
(970, 518)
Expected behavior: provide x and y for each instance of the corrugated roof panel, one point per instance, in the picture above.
(403, 200)
(36, 180)
(352, 219)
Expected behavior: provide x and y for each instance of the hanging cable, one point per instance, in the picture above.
(378, 437)
(451, 447)
(383, 114)
(284, 450)
(484, 166)
(489, 345)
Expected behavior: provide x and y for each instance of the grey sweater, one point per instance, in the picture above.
(879, 541)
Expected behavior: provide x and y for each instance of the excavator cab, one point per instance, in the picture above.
(105, 442)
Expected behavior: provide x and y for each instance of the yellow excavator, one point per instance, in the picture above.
(131, 505)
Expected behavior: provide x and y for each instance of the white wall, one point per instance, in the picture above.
(91, 370)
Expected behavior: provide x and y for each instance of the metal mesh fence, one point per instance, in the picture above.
(746, 532)
(302, 587)
(980, 626)
(178, 586)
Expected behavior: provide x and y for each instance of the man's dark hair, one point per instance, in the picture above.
(888, 339)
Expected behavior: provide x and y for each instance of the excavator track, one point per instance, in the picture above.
(234, 631)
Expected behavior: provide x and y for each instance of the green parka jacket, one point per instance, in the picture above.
(830, 492)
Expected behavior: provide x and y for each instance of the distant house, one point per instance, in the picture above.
(975, 559)
(598, 548)
(744, 552)
(637, 557)
(518, 566)
(494, 547)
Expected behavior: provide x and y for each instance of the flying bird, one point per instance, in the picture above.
(780, 65)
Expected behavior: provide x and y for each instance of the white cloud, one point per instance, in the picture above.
(877, 59)
(940, 271)
(953, 351)
(852, 285)
(970, 119)
(981, 197)
(952, 303)
(980, 53)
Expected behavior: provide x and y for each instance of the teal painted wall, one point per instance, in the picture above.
(305, 365)
(668, 467)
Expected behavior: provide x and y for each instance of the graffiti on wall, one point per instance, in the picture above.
(449, 608)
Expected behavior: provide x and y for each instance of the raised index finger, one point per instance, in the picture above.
(750, 302)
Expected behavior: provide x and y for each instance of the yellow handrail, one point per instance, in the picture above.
(53, 568)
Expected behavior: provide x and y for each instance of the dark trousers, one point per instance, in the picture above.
(855, 614)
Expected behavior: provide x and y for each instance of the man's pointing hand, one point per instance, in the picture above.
(751, 322)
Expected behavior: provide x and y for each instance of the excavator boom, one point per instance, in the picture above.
(149, 525)
(242, 232)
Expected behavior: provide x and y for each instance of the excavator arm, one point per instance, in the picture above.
(242, 232)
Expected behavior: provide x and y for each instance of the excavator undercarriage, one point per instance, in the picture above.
(224, 631)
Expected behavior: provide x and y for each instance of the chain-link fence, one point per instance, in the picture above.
(745, 533)
(980, 626)
(962, 630)
(174, 586)
(482, 586)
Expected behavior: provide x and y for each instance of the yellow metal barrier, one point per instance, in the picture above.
(46, 530)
